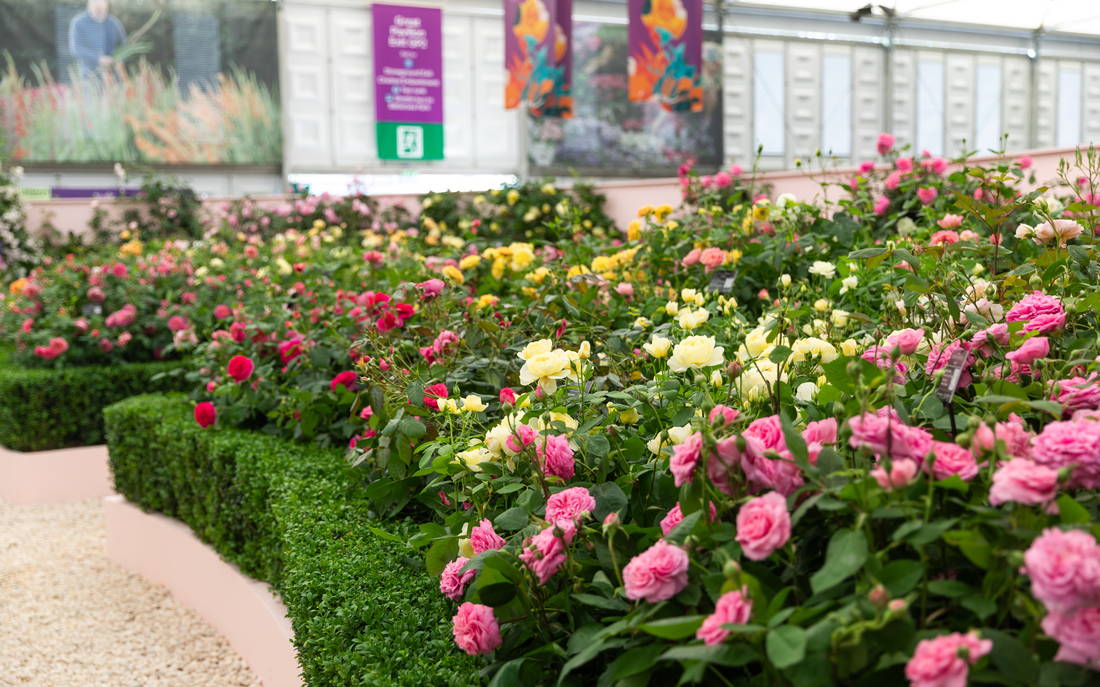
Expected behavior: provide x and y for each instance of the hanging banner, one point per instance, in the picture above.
(408, 82)
(538, 56)
(666, 53)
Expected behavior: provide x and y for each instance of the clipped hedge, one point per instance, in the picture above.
(47, 409)
(364, 611)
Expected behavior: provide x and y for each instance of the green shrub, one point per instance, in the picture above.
(364, 610)
(47, 409)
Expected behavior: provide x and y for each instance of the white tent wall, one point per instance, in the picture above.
(796, 79)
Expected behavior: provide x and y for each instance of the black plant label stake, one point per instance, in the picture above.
(722, 281)
(949, 383)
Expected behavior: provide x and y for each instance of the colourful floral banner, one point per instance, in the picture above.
(538, 56)
(666, 53)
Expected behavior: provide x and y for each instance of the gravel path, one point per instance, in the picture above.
(69, 617)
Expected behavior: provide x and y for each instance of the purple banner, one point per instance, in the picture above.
(538, 56)
(408, 64)
(665, 46)
(59, 192)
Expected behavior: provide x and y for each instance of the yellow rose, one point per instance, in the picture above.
(672, 307)
(539, 274)
(629, 416)
(658, 346)
(466, 548)
(695, 352)
(678, 435)
(849, 348)
(473, 458)
(497, 270)
(469, 262)
(534, 348)
(512, 197)
(487, 301)
(585, 350)
(545, 369)
(634, 230)
(454, 274)
(449, 405)
(692, 319)
(473, 404)
(642, 322)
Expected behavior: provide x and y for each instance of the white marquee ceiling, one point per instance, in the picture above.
(1068, 16)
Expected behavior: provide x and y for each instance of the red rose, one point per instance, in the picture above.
(433, 393)
(206, 414)
(345, 379)
(240, 368)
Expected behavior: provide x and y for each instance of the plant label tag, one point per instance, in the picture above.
(722, 281)
(951, 374)
(92, 310)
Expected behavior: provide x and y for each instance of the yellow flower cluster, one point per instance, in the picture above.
(517, 257)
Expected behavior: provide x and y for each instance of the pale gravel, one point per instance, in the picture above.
(69, 617)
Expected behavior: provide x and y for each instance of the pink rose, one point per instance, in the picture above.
(900, 474)
(937, 661)
(452, 582)
(950, 221)
(723, 466)
(1022, 481)
(346, 379)
(997, 332)
(221, 312)
(712, 258)
(556, 456)
(1079, 636)
(1016, 437)
(544, 553)
(685, 457)
(568, 505)
(484, 538)
(763, 525)
(691, 258)
(733, 608)
(885, 143)
(1064, 568)
(940, 355)
(944, 237)
(1073, 443)
(675, 516)
(476, 630)
(1078, 393)
(769, 431)
(507, 395)
(1040, 312)
(240, 368)
(952, 459)
(722, 180)
(893, 180)
(722, 415)
(905, 339)
(431, 288)
(625, 289)
(657, 574)
(177, 323)
(875, 430)
(781, 474)
(1031, 350)
(904, 164)
(881, 204)
(927, 194)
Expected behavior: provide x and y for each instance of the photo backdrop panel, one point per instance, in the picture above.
(153, 81)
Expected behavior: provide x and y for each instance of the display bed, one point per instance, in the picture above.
(363, 610)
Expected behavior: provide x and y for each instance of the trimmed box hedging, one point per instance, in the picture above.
(42, 409)
(364, 610)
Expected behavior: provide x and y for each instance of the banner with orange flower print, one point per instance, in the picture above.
(538, 56)
(666, 53)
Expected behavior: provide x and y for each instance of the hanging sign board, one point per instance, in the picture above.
(408, 82)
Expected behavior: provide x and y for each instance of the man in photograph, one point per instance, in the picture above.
(94, 35)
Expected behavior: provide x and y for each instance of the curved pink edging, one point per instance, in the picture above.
(68, 474)
(246, 612)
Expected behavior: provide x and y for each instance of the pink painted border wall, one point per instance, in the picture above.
(70, 474)
(623, 197)
(246, 612)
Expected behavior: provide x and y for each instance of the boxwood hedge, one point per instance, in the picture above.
(44, 409)
(364, 611)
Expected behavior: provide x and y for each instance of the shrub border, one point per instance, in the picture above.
(363, 609)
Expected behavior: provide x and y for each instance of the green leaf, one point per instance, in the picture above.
(864, 253)
(900, 576)
(779, 354)
(1070, 512)
(440, 554)
(609, 498)
(1012, 658)
(497, 594)
(679, 533)
(412, 428)
(631, 662)
(598, 445)
(383, 534)
(509, 674)
(846, 554)
(952, 589)
(973, 545)
(786, 645)
(795, 443)
(674, 628)
(602, 602)
(731, 655)
(513, 519)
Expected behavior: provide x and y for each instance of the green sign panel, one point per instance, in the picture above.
(398, 141)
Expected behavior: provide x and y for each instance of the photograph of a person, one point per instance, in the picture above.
(151, 81)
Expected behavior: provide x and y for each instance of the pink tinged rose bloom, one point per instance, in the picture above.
(1022, 481)
(1079, 635)
(475, 628)
(952, 459)
(452, 582)
(1071, 443)
(722, 415)
(556, 456)
(733, 608)
(625, 289)
(346, 379)
(484, 538)
(177, 323)
(222, 312)
(769, 431)
(881, 204)
(1040, 313)
(945, 661)
(1024, 161)
(885, 143)
(927, 194)
(544, 553)
(883, 427)
(712, 258)
(904, 164)
(1078, 393)
(685, 457)
(905, 339)
(950, 221)
(657, 574)
(900, 474)
(893, 180)
(691, 258)
(763, 525)
(724, 465)
(722, 180)
(569, 505)
(1064, 568)
(940, 355)
(1031, 350)
(240, 368)
(944, 237)
(431, 288)
(524, 435)
(997, 333)
(675, 516)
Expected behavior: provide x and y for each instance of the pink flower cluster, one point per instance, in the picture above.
(569, 505)
(452, 582)
(476, 630)
(1073, 443)
(1064, 568)
(733, 608)
(123, 317)
(945, 661)
(763, 525)
(56, 347)
(544, 553)
(656, 574)
(443, 344)
(556, 456)
(885, 435)
(1039, 313)
(1078, 393)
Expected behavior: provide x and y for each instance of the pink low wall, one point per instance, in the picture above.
(623, 197)
(246, 612)
(70, 474)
